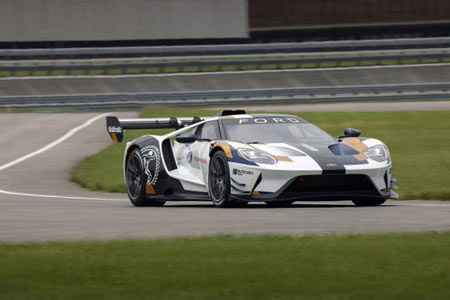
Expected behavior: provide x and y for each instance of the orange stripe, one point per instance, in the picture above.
(114, 137)
(225, 147)
(356, 144)
(282, 158)
(360, 156)
(149, 189)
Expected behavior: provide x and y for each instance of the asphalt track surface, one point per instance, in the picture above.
(39, 203)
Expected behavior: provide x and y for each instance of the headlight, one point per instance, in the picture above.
(378, 153)
(256, 156)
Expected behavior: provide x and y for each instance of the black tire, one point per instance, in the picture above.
(368, 202)
(136, 180)
(283, 203)
(219, 180)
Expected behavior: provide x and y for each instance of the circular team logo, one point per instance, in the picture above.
(151, 156)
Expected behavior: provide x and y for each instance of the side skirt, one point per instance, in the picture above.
(182, 196)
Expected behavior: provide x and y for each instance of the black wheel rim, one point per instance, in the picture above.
(134, 179)
(218, 179)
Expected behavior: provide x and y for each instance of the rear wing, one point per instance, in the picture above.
(116, 126)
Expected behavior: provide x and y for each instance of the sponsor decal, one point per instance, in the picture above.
(189, 157)
(114, 129)
(240, 172)
(200, 160)
(152, 160)
(332, 165)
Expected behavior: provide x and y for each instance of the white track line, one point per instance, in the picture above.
(60, 197)
(220, 72)
(46, 148)
(52, 144)
(423, 204)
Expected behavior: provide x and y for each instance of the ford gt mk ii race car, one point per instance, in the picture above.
(235, 158)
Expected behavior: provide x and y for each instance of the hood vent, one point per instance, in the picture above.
(343, 149)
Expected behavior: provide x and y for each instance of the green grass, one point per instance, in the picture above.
(430, 60)
(5, 73)
(389, 62)
(368, 63)
(171, 69)
(152, 70)
(58, 73)
(328, 64)
(348, 64)
(381, 266)
(190, 69)
(419, 143)
(288, 66)
(21, 73)
(103, 67)
(114, 71)
(133, 71)
(95, 72)
(77, 72)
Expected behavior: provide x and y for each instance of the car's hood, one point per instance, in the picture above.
(331, 156)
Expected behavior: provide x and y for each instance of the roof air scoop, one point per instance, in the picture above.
(230, 112)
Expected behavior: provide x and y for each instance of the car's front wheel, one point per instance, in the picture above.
(219, 180)
(368, 202)
(136, 179)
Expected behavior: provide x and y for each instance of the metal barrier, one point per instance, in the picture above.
(224, 65)
(284, 95)
(211, 50)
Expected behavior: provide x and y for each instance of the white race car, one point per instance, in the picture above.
(236, 158)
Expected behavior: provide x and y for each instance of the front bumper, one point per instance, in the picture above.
(324, 188)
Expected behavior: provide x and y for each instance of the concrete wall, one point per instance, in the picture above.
(75, 20)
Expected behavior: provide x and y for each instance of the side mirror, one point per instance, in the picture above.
(186, 138)
(350, 132)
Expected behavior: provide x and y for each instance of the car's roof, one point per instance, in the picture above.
(272, 116)
(263, 116)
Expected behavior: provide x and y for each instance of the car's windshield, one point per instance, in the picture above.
(274, 130)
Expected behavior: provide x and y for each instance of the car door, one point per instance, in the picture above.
(207, 134)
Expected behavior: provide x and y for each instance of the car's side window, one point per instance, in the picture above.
(209, 130)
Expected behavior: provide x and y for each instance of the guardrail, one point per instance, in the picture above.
(282, 95)
(221, 65)
(211, 50)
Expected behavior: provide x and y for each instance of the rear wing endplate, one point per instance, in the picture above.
(116, 126)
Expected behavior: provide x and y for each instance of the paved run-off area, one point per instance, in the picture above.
(37, 201)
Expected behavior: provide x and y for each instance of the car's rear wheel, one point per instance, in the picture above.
(368, 202)
(282, 203)
(136, 179)
(219, 180)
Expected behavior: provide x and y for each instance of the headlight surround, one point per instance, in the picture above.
(256, 156)
(378, 153)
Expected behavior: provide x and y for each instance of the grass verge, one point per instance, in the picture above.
(418, 141)
(378, 266)
(105, 68)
